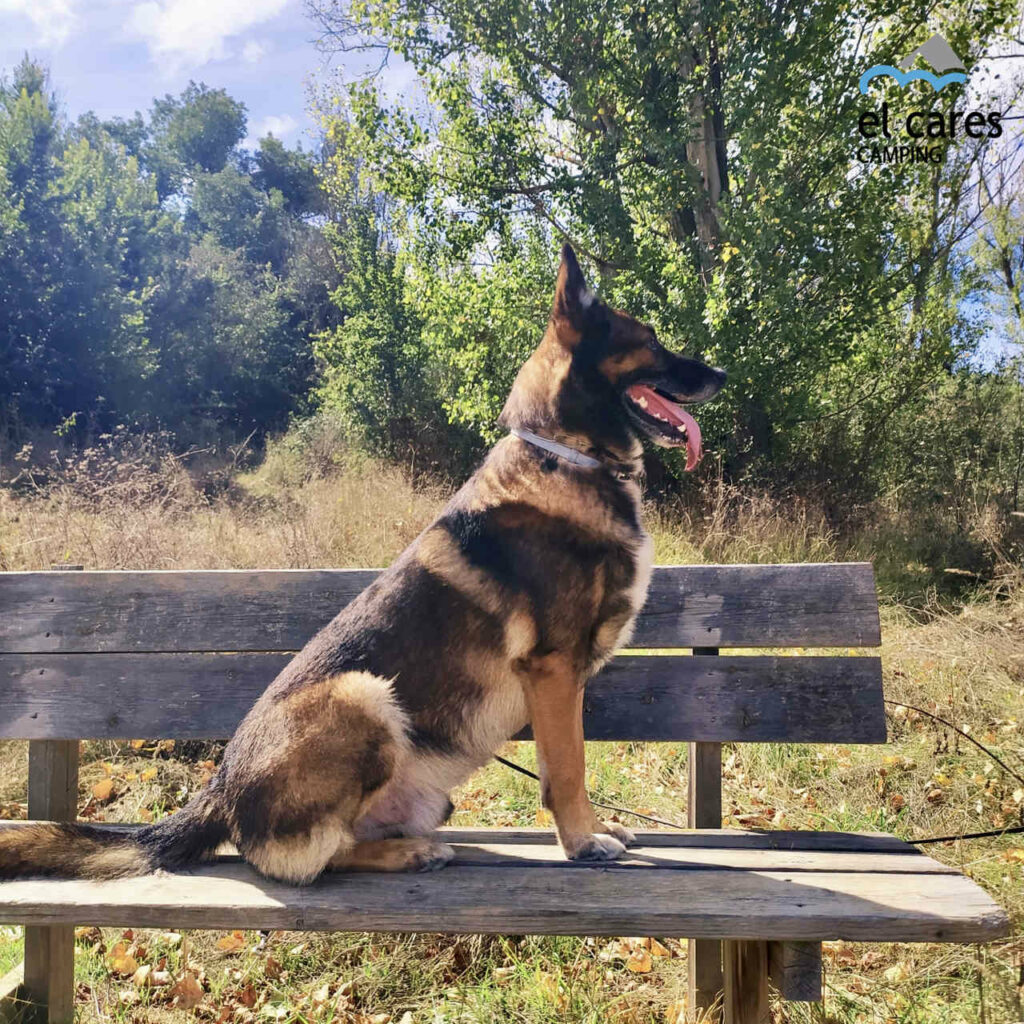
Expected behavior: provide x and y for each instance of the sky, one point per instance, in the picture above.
(115, 56)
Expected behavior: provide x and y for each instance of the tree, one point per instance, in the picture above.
(150, 273)
(702, 158)
(196, 131)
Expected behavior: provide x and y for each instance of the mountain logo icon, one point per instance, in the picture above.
(936, 52)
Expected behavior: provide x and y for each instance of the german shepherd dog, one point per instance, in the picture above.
(493, 618)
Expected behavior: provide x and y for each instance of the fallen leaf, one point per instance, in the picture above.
(657, 949)
(141, 977)
(548, 984)
(187, 992)
(675, 1012)
(149, 773)
(232, 942)
(897, 973)
(639, 961)
(103, 790)
(272, 969)
(120, 961)
(138, 744)
(544, 818)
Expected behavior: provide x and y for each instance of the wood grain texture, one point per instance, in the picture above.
(796, 970)
(800, 605)
(674, 697)
(745, 997)
(535, 899)
(682, 851)
(49, 973)
(13, 1007)
(725, 839)
(704, 810)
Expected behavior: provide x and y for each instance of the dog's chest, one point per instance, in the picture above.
(623, 601)
(643, 565)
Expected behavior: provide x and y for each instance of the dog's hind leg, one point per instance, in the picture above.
(299, 773)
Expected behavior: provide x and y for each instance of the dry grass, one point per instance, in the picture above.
(966, 664)
(361, 516)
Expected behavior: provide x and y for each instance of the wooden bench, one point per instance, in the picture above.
(105, 655)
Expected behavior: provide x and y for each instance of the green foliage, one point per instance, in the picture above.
(197, 131)
(150, 271)
(703, 164)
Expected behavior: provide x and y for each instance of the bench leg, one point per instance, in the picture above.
(704, 982)
(704, 976)
(745, 965)
(50, 951)
(795, 968)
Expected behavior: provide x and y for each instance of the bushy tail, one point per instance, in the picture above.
(67, 850)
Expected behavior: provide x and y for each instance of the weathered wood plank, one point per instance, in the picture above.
(801, 605)
(676, 697)
(13, 1007)
(50, 951)
(704, 811)
(724, 839)
(745, 965)
(795, 969)
(534, 899)
(683, 851)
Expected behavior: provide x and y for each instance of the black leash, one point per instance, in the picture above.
(607, 807)
(682, 828)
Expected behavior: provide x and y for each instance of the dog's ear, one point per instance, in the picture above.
(573, 300)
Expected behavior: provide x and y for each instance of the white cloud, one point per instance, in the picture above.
(278, 125)
(194, 32)
(253, 51)
(52, 19)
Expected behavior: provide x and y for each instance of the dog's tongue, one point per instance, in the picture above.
(659, 406)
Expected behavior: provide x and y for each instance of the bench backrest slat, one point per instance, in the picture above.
(826, 605)
(671, 697)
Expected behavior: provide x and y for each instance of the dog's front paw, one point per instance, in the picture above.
(623, 834)
(599, 846)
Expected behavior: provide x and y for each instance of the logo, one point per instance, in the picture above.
(900, 134)
(936, 52)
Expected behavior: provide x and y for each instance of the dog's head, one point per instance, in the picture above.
(601, 375)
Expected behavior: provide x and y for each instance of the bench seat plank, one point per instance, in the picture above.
(754, 698)
(757, 893)
(725, 849)
(799, 605)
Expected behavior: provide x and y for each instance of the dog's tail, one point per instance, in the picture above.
(68, 850)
